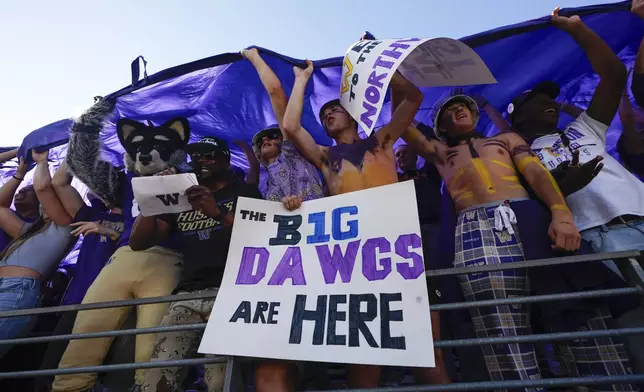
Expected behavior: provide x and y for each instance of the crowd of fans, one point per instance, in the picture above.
(532, 191)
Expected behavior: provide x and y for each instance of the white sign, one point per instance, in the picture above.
(157, 195)
(341, 279)
(369, 65)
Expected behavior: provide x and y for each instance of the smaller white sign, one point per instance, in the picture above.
(370, 64)
(157, 195)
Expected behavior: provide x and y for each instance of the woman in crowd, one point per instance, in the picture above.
(35, 252)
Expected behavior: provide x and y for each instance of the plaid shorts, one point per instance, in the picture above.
(479, 243)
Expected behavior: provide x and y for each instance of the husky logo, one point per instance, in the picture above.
(149, 149)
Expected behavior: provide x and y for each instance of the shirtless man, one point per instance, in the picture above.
(355, 164)
(482, 177)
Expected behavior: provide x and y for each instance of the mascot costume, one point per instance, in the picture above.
(151, 273)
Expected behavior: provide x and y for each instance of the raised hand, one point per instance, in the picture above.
(22, 168)
(39, 157)
(637, 7)
(248, 53)
(564, 22)
(303, 72)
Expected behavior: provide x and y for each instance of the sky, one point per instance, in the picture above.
(58, 55)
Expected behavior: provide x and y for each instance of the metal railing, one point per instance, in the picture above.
(621, 258)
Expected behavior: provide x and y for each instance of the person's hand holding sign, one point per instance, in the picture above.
(292, 202)
(202, 200)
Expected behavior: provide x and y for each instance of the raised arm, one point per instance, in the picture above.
(408, 100)
(83, 154)
(7, 155)
(611, 71)
(45, 190)
(562, 231)
(67, 194)
(637, 84)
(9, 188)
(10, 223)
(253, 172)
(293, 120)
(497, 119)
(270, 81)
(413, 137)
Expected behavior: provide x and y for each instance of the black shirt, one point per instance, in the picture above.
(204, 240)
(428, 192)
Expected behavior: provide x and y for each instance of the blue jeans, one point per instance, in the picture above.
(15, 294)
(614, 238)
(625, 236)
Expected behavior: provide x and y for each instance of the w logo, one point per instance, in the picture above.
(169, 199)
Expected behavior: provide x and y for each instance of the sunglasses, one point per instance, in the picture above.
(269, 136)
(208, 155)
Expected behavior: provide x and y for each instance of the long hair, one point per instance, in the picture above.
(38, 226)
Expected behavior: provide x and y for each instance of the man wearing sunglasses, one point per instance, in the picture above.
(291, 177)
(204, 235)
(609, 210)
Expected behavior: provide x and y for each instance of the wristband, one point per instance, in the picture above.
(559, 207)
(17, 178)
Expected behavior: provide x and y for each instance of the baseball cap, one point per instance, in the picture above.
(547, 87)
(271, 131)
(208, 144)
(459, 98)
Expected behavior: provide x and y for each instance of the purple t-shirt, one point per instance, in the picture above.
(94, 252)
(131, 211)
(292, 175)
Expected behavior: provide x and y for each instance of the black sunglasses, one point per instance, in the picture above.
(269, 136)
(207, 155)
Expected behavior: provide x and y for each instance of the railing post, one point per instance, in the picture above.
(633, 278)
(231, 380)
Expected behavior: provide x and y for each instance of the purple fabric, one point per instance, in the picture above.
(292, 175)
(94, 252)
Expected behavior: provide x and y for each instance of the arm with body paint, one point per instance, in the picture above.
(408, 99)
(605, 63)
(271, 83)
(293, 121)
(562, 231)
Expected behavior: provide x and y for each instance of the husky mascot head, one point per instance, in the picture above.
(150, 149)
